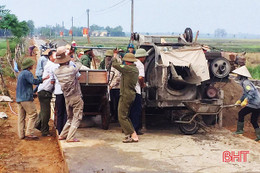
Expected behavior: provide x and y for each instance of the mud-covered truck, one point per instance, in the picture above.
(179, 70)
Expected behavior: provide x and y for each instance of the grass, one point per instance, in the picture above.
(255, 71)
(230, 45)
(233, 45)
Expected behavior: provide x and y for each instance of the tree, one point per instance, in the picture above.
(3, 11)
(220, 33)
(30, 24)
(11, 23)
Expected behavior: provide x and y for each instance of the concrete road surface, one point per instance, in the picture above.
(160, 149)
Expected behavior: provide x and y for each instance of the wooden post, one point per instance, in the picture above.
(220, 123)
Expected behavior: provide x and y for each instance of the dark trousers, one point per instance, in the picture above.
(114, 99)
(247, 110)
(42, 123)
(60, 108)
(136, 112)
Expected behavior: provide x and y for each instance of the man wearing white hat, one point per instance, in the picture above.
(67, 76)
(250, 101)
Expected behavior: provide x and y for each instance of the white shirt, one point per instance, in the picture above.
(57, 87)
(46, 84)
(140, 68)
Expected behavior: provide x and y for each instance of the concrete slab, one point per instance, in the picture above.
(158, 151)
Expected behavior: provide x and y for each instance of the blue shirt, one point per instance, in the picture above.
(40, 66)
(24, 88)
(251, 93)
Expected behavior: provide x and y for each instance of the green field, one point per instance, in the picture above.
(231, 45)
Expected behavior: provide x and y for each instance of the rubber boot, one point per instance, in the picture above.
(257, 132)
(240, 128)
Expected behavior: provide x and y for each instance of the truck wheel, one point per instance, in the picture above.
(105, 116)
(188, 129)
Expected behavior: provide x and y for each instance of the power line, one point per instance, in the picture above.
(102, 11)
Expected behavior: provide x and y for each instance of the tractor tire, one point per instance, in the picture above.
(188, 35)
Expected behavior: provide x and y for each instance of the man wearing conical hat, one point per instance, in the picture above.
(250, 101)
(129, 77)
(68, 79)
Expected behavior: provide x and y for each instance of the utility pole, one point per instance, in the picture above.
(63, 26)
(72, 28)
(88, 25)
(132, 16)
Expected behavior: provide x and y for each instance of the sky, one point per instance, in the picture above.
(153, 16)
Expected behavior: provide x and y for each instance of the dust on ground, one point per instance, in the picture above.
(22, 155)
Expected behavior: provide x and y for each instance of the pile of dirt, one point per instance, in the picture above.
(232, 92)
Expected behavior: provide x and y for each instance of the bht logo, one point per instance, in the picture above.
(239, 156)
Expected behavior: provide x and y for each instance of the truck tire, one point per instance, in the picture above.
(188, 129)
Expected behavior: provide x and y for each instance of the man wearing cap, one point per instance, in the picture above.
(68, 79)
(250, 101)
(136, 109)
(129, 77)
(130, 48)
(45, 95)
(87, 58)
(24, 98)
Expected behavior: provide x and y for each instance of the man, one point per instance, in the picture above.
(24, 98)
(67, 76)
(45, 95)
(130, 48)
(87, 58)
(41, 63)
(136, 109)
(60, 106)
(40, 66)
(107, 59)
(114, 86)
(128, 81)
(250, 101)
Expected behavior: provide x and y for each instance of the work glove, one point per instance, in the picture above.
(238, 102)
(244, 103)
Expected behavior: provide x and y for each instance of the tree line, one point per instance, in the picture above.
(54, 31)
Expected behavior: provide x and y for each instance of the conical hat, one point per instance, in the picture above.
(243, 71)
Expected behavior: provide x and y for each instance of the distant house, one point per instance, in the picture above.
(99, 33)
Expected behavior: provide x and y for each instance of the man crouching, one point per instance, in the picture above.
(68, 79)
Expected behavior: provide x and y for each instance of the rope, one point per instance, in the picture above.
(12, 109)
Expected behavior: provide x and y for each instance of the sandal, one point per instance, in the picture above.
(46, 135)
(61, 138)
(31, 137)
(73, 140)
(128, 139)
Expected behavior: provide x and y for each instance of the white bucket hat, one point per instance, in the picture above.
(243, 71)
